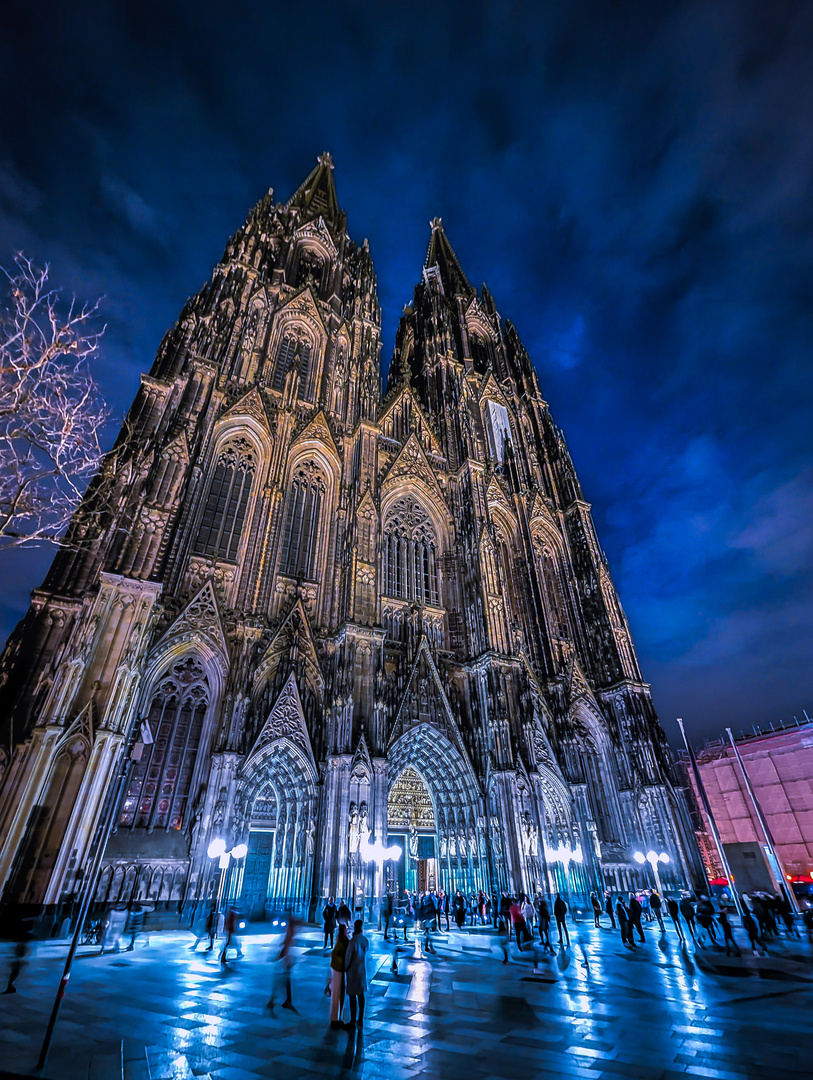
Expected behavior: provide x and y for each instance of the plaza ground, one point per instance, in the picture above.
(594, 1011)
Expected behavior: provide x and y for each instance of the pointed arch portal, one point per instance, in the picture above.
(435, 812)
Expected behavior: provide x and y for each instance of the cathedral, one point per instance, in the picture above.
(373, 638)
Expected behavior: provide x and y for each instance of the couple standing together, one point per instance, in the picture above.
(348, 974)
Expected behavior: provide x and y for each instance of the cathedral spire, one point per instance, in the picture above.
(316, 195)
(440, 254)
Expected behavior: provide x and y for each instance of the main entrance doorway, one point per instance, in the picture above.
(411, 823)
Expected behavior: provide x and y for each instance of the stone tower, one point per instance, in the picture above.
(312, 619)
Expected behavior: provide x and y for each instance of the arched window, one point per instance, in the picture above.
(299, 541)
(554, 599)
(309, 265)
(295, 351)
(226, 503)
(480, 352)
(410, 570)
(160, 784)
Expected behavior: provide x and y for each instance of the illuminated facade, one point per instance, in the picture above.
(343, 617)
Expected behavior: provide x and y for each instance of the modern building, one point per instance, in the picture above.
(330, 618)
(779, 767)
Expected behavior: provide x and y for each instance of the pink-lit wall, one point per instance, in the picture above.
(780, 768)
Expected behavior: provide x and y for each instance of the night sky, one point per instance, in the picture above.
(633, 181)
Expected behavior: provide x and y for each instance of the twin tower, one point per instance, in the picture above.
(313, 618)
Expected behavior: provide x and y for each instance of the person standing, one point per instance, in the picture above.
(560, 914)
(529, 911)
(673, 908)
(459, 909)
(286, 963)
(337, 977)
(329, 918)
(343, 914)
(635, 911)
(355, 969)
(656, 904)
(608, 907)
(596, 910)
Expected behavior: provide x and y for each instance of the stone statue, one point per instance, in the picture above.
(353, 829)
(309, 833)
(364, 827)
(413, 842)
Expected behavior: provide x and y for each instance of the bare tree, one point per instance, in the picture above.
(51, 411)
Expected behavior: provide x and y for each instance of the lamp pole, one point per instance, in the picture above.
(763, 824)
(701, 789)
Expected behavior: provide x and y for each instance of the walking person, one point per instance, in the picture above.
(560, 914)
(285, 964)
(543, 916)
(22, 939)
(505, 911)
(594, 900)
(481, 907)
(728, 935)
(529, 911)
(337, 978)
(518, 923)
(705, 917)
(624, 923)
(656, 904)
(673, 908)
(208, 928)
(608, 907)
(329, 919)
(230, 928)
(749, 925)
(635, 912)
(687, 911)
(443, 909)
(355, 970)
(427, 917)
(388, 908)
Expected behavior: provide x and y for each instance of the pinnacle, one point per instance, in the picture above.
(316, 195)
(441, 254)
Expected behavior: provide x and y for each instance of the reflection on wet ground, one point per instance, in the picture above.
(595, 1011)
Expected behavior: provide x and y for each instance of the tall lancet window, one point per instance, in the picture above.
(410, 557)
(295, 351)
(227, 501)
(302, 523)
(161, 781)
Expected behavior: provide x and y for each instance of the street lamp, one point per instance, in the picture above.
(653, 858)
(217, 850)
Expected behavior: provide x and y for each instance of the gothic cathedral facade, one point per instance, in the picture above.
(308, 617)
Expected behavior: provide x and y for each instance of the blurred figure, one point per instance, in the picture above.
(337, 978)
(355, 968)
(608, 907)
(656, 904)
(543, 916)
(344, 915)
(285, 964)
(518, 923)
(705, 918)
(673, 908)
(728, 935)
(459, 909)
(754, 940)
(687, 911)
(230, 928)
(22, 941)
(207, 928)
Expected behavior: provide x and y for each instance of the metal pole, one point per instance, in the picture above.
(103, 834)
(710, 818)
(762, 822)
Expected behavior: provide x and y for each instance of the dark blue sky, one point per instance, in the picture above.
(633, 180)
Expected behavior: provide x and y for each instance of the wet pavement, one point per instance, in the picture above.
(594, 1011)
